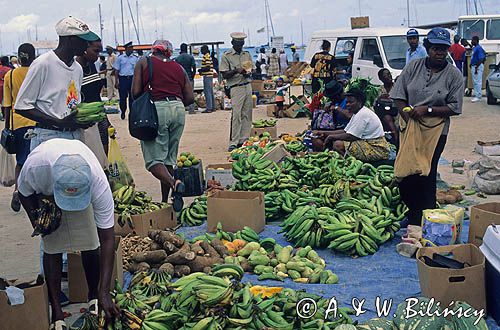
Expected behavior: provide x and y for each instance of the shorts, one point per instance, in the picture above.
(368, 150)
(22, 144)
(41, 135)
(163, 149)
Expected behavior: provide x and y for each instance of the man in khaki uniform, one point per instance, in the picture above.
(236, 67)
(110, 75)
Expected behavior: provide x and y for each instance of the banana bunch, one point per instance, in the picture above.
(160, 320)
(194, 214)
(303, 228)
(289, 138)
(151, 283)
(90, 321)
(247, 234)
(131, 301)
(214, 291)
(295, 146)
(87, 113)
(48, 218)
(269, 318)
(241, 313)
(256, 173)
(124, 195)
(262, 123)
(228, 270)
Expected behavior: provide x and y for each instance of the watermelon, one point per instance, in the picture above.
(377, 324)
(418, 322)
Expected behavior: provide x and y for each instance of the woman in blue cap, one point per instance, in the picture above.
(427, 93)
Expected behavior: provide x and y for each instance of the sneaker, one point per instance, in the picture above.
(475, 99)
(231, 148)
(207, 111)
(15, 204)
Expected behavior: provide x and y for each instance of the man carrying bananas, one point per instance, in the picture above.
(68, 174)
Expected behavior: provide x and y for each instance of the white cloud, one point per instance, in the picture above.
(20, 23)
(214, 18)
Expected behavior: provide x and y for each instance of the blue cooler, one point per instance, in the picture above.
(491, 251)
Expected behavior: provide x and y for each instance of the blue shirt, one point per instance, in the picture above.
(478, 55)
(125, 64)
(420, 52)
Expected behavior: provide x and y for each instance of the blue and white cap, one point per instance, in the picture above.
(440, 36)
(412, 33)
(71, 176)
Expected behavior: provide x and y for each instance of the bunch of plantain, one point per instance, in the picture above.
(92, 112)
(48, 218)
(129, 202)
(256, 173)
(295, 146)
(194, 214)
(262, 123)
(90, 321)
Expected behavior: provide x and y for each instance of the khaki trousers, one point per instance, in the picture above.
(241, 119)
(112, 93)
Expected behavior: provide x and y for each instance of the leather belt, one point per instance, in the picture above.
(55, 128)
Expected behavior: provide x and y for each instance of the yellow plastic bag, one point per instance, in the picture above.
(442, 226)
(118, 172)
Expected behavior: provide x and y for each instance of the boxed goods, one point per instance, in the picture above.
(294, 109)
(220, 172)
(33, 314)
(235, 210)
(77, 284)
(463, 281)
(257, 85)
(481, 216)
(488, 148)
(491, 250)
(189, 170)
(140, 224)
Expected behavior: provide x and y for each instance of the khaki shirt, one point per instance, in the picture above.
(109, 62)
(231, 60)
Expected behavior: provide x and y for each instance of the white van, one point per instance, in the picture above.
(486, 27)
(374, 48)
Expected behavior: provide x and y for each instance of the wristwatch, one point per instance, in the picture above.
(429, 109)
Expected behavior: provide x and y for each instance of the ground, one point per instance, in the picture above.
(207, 135)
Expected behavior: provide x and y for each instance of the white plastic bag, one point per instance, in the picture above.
(7, 168)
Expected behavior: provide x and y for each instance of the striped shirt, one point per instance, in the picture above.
(207, 66)
(91, 84)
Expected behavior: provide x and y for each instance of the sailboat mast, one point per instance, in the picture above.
(302, 32)
(123, 22)
(100, 20)
(266, 4)
(408, 12)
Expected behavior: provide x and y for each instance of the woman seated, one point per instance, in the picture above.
(363, 137)
(385, 109)
(333, 114)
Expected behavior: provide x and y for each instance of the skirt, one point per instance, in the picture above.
(368, 150)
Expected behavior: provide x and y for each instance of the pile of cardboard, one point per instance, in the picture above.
(295, 69)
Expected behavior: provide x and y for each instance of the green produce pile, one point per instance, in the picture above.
(194, 214)
(262, 123)
(371, 91)
(295, 146)
(256, 173)
(87, 113)
(214, 301)
(130, 202)
(187, 159)
(246, 151)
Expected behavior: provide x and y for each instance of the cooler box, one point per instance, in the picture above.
(193, 179)
(491, 251)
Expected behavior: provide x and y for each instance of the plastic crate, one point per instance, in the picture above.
(193, 179)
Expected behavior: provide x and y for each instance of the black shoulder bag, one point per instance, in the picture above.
(8, 139)
(143, 118)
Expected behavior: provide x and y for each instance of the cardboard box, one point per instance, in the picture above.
(488, 148)
(222, 173)
(77, 284)
(270, 110)
(267, 94)
(278, 153)
(33, 314)
(360, 22)
(236, 209)
(446, 285)
(293, 110)
(161, 219)
(271, 130)
(257, 85)
(481, 216)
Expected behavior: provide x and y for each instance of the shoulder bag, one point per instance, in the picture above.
(8, 139)
(143, 118)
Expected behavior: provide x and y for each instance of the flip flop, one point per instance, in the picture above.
(177, 194)
(93, 306)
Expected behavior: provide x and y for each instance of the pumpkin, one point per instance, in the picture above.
(418, 322)
(377, 324)
(467, 322)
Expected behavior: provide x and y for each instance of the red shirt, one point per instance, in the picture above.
(457, 51)
(169, 79)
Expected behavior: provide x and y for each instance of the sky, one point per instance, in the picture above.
(193, 21)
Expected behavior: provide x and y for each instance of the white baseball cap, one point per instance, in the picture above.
(72, 26)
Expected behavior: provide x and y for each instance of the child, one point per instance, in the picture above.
(280, 96)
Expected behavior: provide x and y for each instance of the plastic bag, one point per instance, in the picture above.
(7, 168)
(442, 226)
(487, 178)
(118, 172)
(92, 139)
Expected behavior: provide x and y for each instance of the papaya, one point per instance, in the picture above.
(284, 255)
(294, 265)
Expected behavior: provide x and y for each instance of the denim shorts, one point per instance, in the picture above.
(41, 135)
(22, 144)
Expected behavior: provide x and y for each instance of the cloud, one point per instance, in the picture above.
(20, 23)
(214, 18)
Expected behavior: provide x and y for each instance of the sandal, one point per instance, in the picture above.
(58, 325)
(93, 306)
(177, 194)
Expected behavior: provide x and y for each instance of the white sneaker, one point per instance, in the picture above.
(475, 99)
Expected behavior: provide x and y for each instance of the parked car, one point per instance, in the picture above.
(493, 84)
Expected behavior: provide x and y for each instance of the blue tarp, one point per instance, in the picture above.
(385, 274)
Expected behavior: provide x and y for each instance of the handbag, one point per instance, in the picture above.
(322, 120)
(143, 118)
(8, 139)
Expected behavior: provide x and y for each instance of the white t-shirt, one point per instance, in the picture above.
(262, 58)
(50, 86)
(36, 176)
(365, 125)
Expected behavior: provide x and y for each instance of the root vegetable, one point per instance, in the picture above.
(207, 270)
(209, 249)
(168, 236)
(138, 267)
(168, 268)
(220, 247)
(180, 257)
(181, 270)
(169, 247)
(151, 257)
(155, 246)
(200, 262)
(196, 248)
